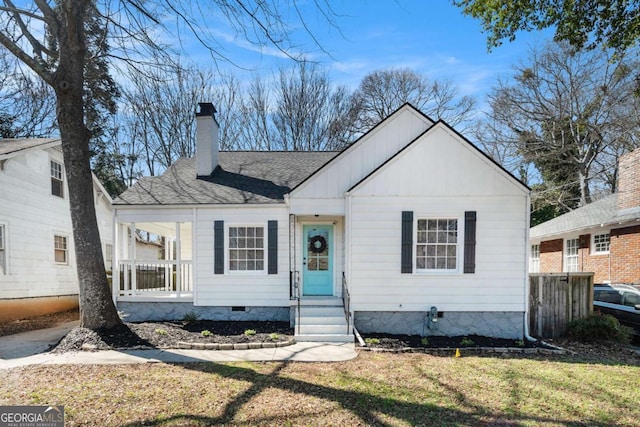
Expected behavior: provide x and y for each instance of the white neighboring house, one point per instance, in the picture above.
(37, 259)
(411, 229)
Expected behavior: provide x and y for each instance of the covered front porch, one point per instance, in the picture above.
(153, 261)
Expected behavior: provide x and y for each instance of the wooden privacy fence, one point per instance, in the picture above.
(555, 299)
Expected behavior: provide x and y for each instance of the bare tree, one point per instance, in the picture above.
(228, 94)
(160, 106)
(569, 114)
(310, 115)
(382, 92)
(298, 110)
(52, 38)
(258, 130)
(27, 104)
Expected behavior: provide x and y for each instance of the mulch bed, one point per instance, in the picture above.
(169, 334)
(396, 342)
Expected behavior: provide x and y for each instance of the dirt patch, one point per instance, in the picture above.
(40, 322)
(599, 352)
(168, 334)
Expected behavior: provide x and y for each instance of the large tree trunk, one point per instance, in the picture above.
(97, 309)
(585, 190)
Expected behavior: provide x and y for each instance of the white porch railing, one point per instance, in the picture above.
(155, 278)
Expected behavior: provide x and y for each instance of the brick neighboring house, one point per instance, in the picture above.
(602, 237)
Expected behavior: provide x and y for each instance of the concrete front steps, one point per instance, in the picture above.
(322, 320)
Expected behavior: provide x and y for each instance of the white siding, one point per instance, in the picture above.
(33, 216)
(241, 289)
(323, 193)
(439, 177)
(497, 285)
(440, 164)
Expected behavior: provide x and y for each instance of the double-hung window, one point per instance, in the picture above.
(57, 180)
(3, 249)
(600, 243)
(437, 244)
(571, 247)
(246, 248)
(534, 262)
(61, 249)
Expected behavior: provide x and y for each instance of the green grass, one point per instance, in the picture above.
(374, 389)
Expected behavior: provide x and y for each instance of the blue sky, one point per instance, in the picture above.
(432, 37)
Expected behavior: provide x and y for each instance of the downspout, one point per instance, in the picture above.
(527, 290)
(347, 260)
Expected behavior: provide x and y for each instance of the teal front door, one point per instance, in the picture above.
(317, 269)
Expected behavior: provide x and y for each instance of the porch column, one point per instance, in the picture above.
(132, 256)
(178, 261)
(115, 268)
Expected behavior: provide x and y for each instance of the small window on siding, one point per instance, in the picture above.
(437, 244)
(3, 249)
(57, 180)
(534, 262)
(600, 243)
(571, 247)
(61, 249)
(246, 249)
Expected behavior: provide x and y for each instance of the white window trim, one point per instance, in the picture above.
(459, 246)
(227, 258)
(565, 255)
(532, 259)
(4, 269)
(66, 236)
(108, 256)
(593, 244)
(63, 180)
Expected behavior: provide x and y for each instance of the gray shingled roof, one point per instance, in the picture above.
(601, 212)
(243, 177)
(9, 146)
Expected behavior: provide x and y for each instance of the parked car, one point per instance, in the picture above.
(620, 301)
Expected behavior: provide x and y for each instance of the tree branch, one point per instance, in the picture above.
(36, 66)
(38, 48)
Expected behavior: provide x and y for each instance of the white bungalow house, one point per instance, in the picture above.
(37, 257)
(411, 229)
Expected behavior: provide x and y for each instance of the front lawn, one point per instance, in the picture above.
(374, 389)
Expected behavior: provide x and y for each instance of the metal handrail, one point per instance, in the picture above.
(296, 279)
(346, 300)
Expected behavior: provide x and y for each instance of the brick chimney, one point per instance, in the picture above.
(206, 139)
(629, 180)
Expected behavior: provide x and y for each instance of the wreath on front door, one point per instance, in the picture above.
(317, 244)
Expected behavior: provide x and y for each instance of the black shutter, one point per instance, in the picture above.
(272, 246)
(218, 247)
(470, 242)
(407, 242)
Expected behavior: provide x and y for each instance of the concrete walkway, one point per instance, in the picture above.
(33, 342)
(27, 349)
